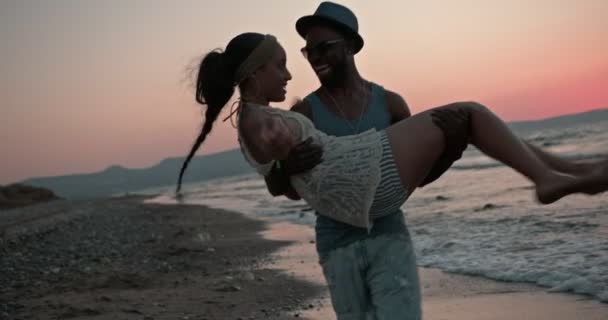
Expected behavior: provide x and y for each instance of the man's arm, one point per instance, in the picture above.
(278, 184)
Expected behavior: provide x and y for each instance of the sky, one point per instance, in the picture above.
(85, 84)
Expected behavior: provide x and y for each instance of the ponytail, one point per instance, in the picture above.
(215, 84)
(214, 87)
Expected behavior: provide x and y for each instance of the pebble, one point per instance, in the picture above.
(83, 248)
(76, 248)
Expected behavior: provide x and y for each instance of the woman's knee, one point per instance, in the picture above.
(468, 106)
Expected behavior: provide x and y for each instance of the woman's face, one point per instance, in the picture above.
(273, 77)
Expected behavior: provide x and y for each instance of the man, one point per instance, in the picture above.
(371, 274)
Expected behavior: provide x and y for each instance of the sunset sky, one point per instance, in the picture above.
(88, 84)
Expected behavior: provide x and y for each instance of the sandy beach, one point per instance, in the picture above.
(122, 258)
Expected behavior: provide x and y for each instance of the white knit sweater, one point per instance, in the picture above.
(343, 185)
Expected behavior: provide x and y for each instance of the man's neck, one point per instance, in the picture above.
(350, 84)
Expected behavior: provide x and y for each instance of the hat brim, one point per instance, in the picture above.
(304, 23)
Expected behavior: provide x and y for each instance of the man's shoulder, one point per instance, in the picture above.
(302, 106)
(391, 97)
(397, 106)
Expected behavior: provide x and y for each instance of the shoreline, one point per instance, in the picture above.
(164, 261)
(445, 295)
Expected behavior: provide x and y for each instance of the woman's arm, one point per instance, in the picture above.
(303, 157)
(267, 136)
(273, 140)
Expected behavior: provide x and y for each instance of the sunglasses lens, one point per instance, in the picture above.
(320, 49)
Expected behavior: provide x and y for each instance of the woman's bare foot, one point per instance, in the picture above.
(555, 187)
(559, 185)
(598, 176)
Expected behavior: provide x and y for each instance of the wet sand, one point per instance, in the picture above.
(445, 296)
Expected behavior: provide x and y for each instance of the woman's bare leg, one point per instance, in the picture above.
(417, 144)
(560, 164)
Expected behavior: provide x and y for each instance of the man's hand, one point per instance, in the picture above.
(455, 125)
(303, 157)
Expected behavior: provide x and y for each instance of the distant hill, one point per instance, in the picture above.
(584, 118)
(117, 179)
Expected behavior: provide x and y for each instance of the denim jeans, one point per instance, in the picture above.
(374, 279)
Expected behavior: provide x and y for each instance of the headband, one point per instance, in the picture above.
(257, 58)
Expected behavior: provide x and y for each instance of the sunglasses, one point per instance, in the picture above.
(321, 48)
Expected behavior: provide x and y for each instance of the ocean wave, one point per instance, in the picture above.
(565, 256)
(481, 163)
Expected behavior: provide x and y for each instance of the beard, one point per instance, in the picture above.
(336, 77)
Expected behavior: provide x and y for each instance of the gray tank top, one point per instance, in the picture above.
(330, 233)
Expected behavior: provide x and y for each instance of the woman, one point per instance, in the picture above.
(345, 183)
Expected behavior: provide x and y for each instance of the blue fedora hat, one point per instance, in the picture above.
(335, 15)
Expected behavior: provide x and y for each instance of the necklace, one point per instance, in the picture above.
(343, 114)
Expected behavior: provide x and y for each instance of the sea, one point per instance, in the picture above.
(481, 218)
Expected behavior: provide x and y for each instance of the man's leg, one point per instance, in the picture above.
(393, 278)
(343, 269)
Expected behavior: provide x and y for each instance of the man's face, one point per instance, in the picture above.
(327, 53)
